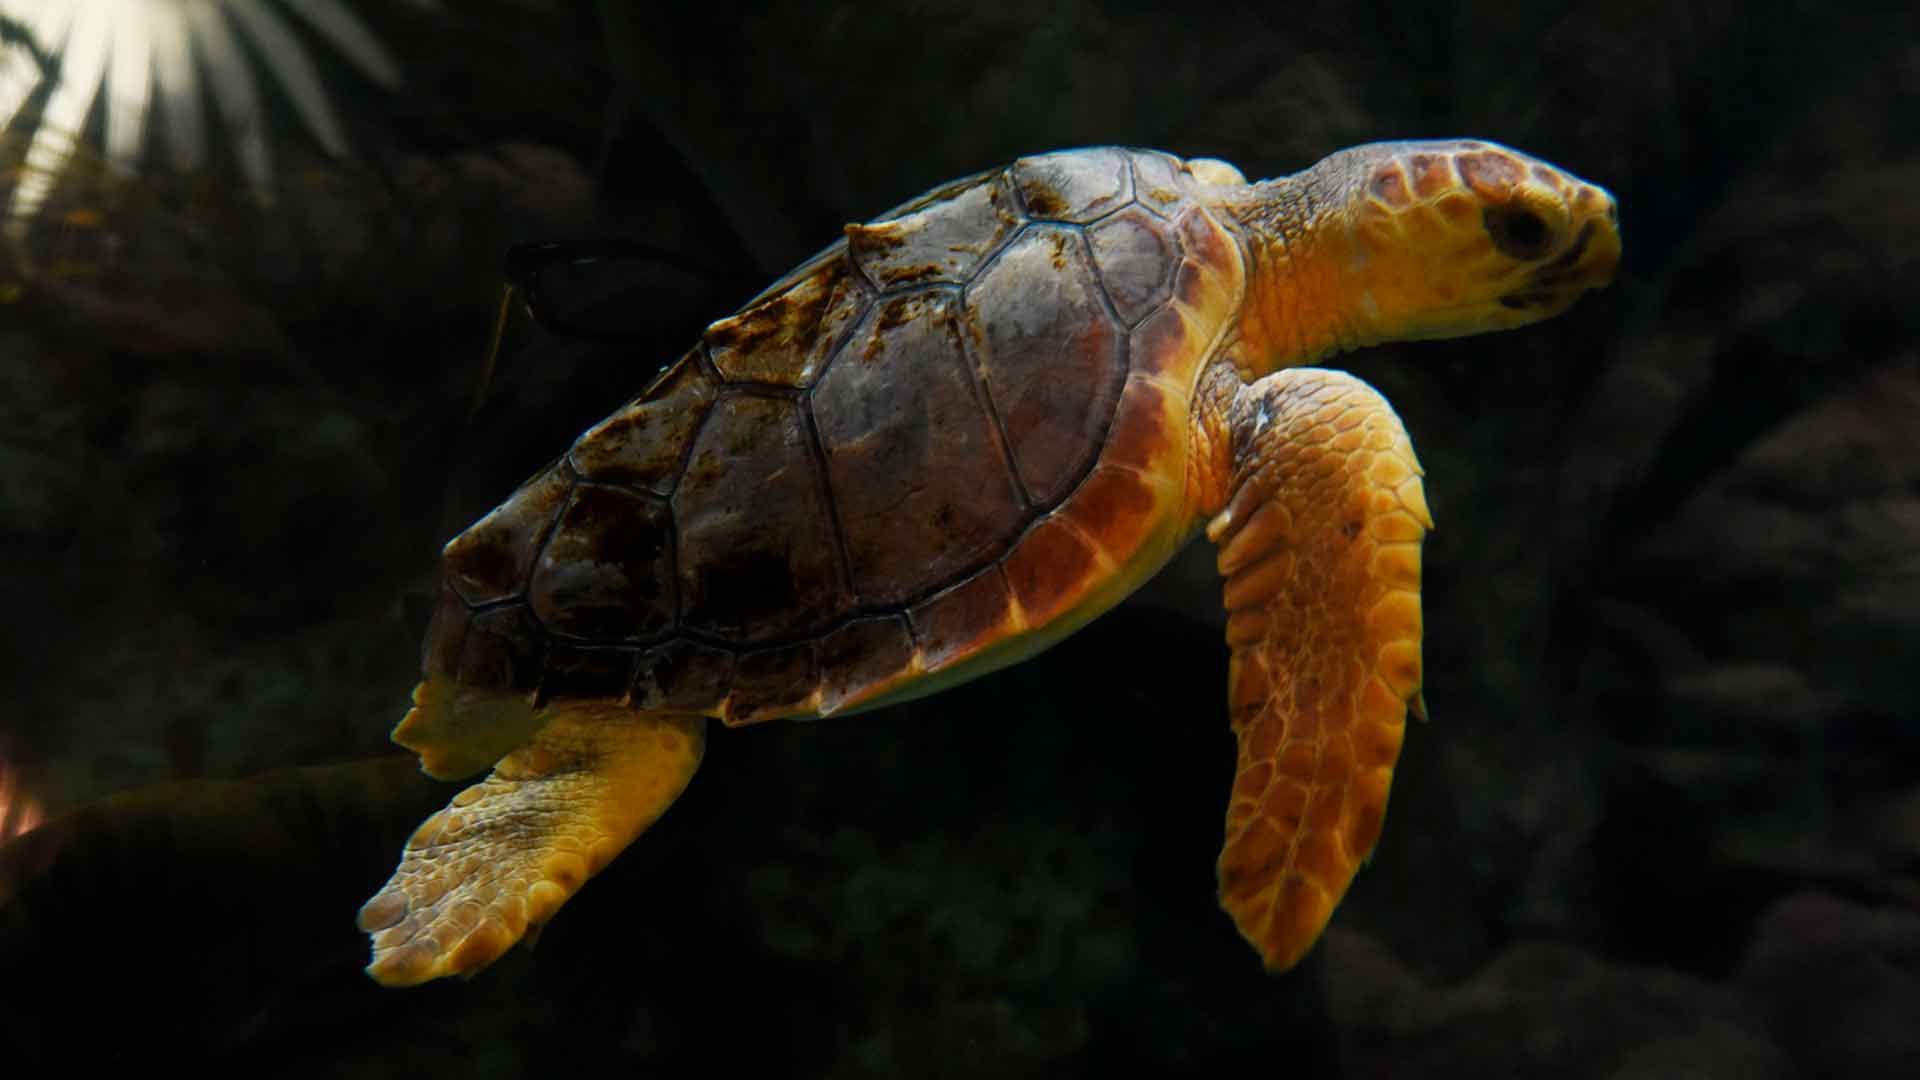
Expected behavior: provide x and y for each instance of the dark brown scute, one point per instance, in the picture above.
(1051, 356)
(491, 560)
(787, 338)
(953, 624)
(772, 682)
(575, 671)
(642, 445)
(861, 657)
(607, 572)
(759, 554)
(895, 413)
(682, 676)
(944, 243)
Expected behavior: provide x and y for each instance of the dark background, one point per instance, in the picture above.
(1665, 820)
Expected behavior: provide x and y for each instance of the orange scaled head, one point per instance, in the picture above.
(1411, 240)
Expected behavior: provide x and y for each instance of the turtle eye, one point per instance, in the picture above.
(1518, 232)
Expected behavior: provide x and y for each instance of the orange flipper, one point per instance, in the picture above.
(1320, 548)
(497, 863)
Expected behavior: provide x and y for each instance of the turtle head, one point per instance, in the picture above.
(1411, 240)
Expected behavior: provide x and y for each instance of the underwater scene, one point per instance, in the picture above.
(942, 539)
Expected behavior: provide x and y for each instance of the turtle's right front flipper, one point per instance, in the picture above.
(1320, 548)
(508, 851)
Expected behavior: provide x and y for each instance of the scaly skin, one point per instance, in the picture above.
(1314, 494)
(503, 856)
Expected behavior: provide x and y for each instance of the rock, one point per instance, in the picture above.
(1839, 985)
(1538, 1009)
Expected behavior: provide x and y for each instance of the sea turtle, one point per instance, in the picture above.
(949, 440)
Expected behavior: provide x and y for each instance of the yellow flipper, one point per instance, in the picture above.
(508, 851)
(1320, 549)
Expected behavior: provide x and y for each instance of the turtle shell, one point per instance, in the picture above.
(943, 432)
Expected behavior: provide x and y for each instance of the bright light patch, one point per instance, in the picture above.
(144, 54)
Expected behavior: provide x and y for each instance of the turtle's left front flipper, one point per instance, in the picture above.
(508, 851)
(1320, 548)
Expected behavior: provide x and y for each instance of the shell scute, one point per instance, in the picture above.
(943, 242)
(1157, 179)
(1050, 569)
(772, 682)
(1145, 425)
(642, 444)
(1206, 244)
(1073, 185)
(578, 671)
(965, 618)
(1163, 342)
(607, 570)
(1136, 258)
(1116, 507)
(862, 660)
(490, 561)
(1050, 356)
(758, 554)
(896, 414)
(787, 336)
(681, 676)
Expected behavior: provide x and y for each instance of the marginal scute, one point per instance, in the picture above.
(1136, 257)
(642, 444)
(1116, 508)
(576, 671)
(964, 619)
(771, 683)
(758, 554)
(1146, 424)
(1164, 343)
(862, 660)
(940, 243)
(607, 570)
(490, 561)
(1051, 358)
(1073, 185)
(682, 676)
(1203, 240)
(922, 485)
(1050, 569)
(787, 337)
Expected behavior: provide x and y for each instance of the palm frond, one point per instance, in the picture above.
(290, 65)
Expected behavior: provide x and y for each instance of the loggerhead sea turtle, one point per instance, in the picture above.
(943, 444)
